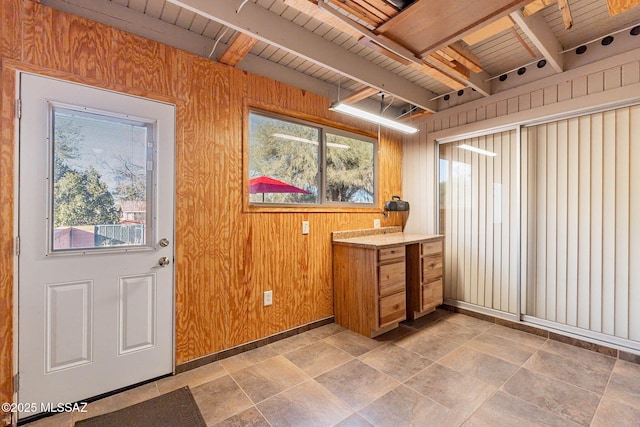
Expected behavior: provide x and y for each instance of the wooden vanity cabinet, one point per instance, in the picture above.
(369, 288)
(425, 266)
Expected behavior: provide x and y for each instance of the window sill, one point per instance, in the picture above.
(312, 209)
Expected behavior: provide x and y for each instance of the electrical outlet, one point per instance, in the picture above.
(376, 223)
(305, 227)
(268, 298)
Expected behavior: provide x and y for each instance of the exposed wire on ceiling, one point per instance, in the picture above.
(241, 6)
(218, 41)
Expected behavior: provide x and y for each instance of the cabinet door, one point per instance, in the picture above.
(432, 294)
(432, 248)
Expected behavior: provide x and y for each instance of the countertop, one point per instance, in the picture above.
(380, 241)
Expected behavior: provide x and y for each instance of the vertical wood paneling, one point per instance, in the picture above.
(225, 257)
(482, 224)
(537, 98)
(630, 73)
(541, 222)
(550, 95)
(496, 190)
(473, 284)
(564, 91)
(579, 86)
(505, 226)
(490, 273)
(595, 83)
(552, 201)
(613, 78)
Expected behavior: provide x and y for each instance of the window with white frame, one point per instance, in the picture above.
(293, 162)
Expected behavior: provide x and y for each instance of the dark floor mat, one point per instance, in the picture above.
(177, 408)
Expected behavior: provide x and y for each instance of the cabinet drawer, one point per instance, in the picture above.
(392, 278)
(432, 248)
(393, 309)
(431, 267)
(389, 254)
(431, 295)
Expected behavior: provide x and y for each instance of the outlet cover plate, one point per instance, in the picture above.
(376, 223)
(268, 298)
(305, 227)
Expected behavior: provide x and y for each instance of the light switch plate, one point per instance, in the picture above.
(376, 223)
(305, 227)
(268, 298)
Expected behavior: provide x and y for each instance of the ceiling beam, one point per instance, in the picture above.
(541, 35)
(284, 34)
(563, 5)
(121, 17)
(359, 95)
(238, 49)
(310, 8)
(463, 56)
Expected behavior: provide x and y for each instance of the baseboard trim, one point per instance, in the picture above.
(223, 354)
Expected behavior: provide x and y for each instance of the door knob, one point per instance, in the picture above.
(163, 261)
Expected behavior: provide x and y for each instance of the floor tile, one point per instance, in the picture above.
(572, 371)
(293, 343)
(627, 369)
(488, 369)
(504, 410)
(318, 358)
(472, 323)
(396, 361)
(353, 343)
(502, 348)
(326, 330)
(395, 334)
(444, 328)
(192, 378)
(119, 401)
(520, 337)
(576, 353)
(356, 383)
(248, 358)
(220, 399)
(459, 393)
(270, 377)
(307, 404)
(573, 403)
(614, 413)
(405, 407)
(248, 418)
(427, 319)
(354, 420)
(432, 347)
(625, 389)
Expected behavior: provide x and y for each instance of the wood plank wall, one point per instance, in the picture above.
(225, 257)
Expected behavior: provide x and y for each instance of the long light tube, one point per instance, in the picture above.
(374, 118)
(477, 150)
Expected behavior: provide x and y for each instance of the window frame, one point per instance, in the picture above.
(324, 127)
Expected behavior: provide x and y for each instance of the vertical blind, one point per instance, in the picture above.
(479, 214)
(582, 216)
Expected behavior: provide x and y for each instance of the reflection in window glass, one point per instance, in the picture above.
(283, 161)
(100, 181)
(349, 170)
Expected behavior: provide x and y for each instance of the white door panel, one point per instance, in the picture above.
(95, 307)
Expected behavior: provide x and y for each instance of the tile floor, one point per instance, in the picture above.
(444, 369)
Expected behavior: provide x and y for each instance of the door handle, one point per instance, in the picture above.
(163, 261)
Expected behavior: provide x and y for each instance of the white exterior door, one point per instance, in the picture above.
(96, 228)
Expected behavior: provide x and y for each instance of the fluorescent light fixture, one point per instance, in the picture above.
(308, 141)
(374, 118)
(476, 150)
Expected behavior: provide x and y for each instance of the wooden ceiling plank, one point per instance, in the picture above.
(541, 35)
(366, 41)
(563, 5)
(365, 5)
(383, 6)
(309, 7)
(464, 56)
(446, 21)
(439, 75)
(487, 31)
(453, 67)
(536, 6)
(238, 49)
(618, 6)
(413, 116)
(358, 11)
(359, 95)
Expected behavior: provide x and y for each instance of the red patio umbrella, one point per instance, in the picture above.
(264, 184)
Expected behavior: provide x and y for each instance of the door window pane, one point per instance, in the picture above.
(349, 170)
(101, 185)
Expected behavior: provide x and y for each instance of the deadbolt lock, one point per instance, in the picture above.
(164, 242)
